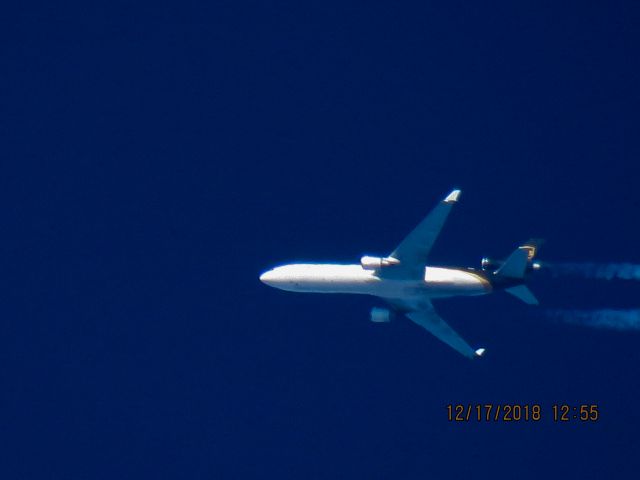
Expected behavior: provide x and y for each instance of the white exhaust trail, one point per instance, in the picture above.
(600, 271)
(623, 320)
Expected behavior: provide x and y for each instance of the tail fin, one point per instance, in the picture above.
(516, 265)
(524, 294)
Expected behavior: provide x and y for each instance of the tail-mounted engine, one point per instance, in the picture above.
(381, 315)
(491, 265)
(532, 246)
(374, 263)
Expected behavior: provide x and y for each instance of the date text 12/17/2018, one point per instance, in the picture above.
(495, 412)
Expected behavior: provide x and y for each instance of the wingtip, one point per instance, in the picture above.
(453, 196)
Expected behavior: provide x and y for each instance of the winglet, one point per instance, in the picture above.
(452, 197)
(480, 352)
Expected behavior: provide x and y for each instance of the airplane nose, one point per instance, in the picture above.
(276, 278)
(268, 277)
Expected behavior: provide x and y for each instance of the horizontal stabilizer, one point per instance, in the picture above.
(524, 294)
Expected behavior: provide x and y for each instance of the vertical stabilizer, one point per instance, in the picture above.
(516, 265)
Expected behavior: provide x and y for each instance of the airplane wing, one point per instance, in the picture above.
(427, 318)
(414, 249)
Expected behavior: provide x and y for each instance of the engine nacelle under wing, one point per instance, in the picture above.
(381, 315)
(374, 263)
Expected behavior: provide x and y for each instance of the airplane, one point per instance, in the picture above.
(408, 285)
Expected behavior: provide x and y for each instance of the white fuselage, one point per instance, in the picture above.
(327, 278)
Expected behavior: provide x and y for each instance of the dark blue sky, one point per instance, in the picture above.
(156, 158)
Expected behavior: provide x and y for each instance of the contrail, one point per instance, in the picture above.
(601, 271)
(607, 318)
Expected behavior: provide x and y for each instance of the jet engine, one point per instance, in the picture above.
(374, 263)
(381, 315)
(491, 265)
